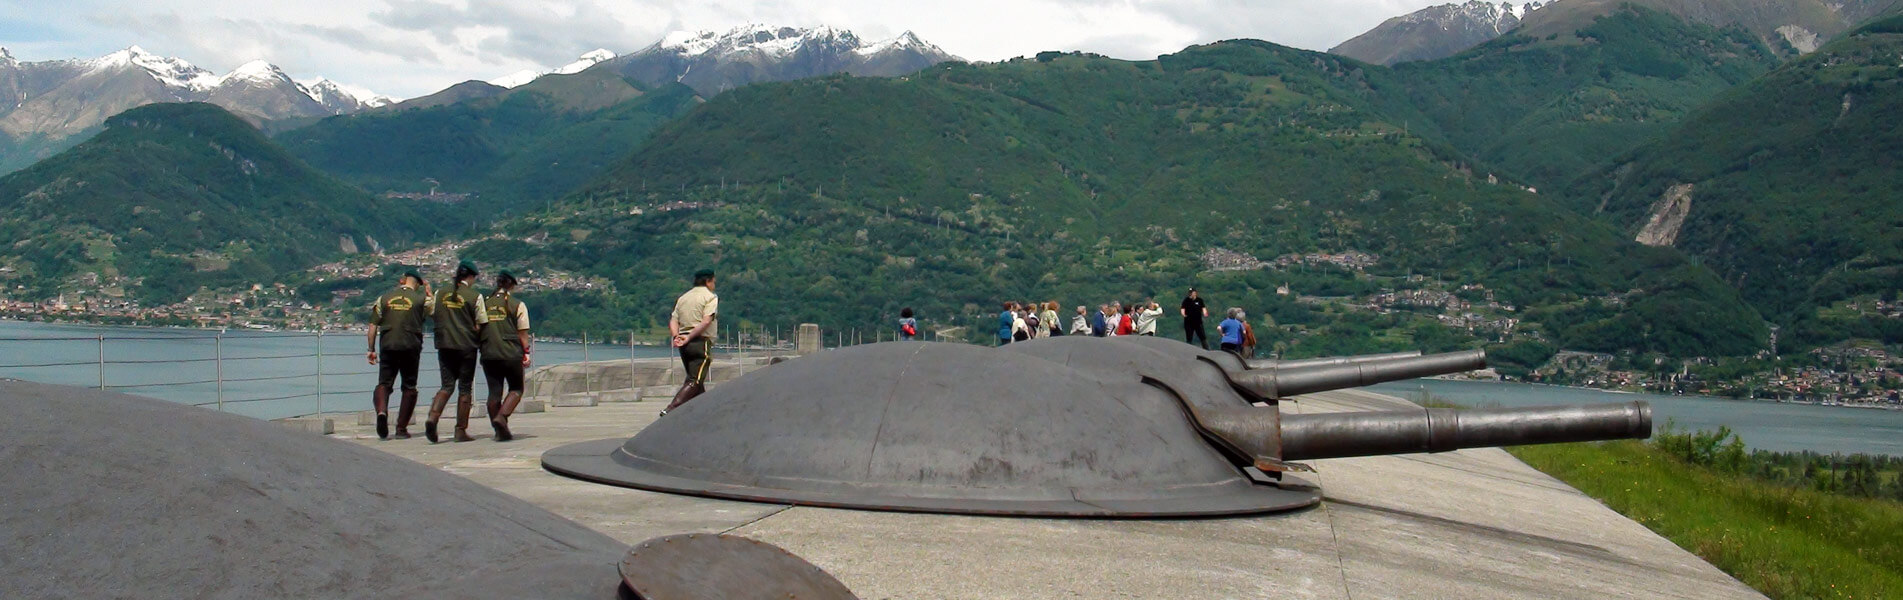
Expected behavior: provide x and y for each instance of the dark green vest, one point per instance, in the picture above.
(499, 341)
(456, 317)
(399, 320)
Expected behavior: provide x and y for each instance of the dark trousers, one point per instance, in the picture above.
(500, 373)
(394, 363)
(1193, 332)
(458, 368)
(697, 356)
(1235, 349)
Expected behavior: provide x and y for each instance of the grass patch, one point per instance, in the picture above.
(1786, 542)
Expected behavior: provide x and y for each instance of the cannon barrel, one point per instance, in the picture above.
(1293, 381)
(1270, 363)
(1338, 435)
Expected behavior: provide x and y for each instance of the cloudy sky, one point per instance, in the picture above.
(408, 48)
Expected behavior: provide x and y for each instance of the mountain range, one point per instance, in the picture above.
(1628, 184)
(54, 104)
(1790, 27)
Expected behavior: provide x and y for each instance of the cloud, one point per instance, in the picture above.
(415, 47)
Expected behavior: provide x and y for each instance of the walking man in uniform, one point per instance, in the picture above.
(694, 314)
(505, 352)
(1194, 311)
(459, 315)
(395, 346)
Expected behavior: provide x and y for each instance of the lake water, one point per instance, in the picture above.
(271, 375)
(266, 375)
(1763, 425)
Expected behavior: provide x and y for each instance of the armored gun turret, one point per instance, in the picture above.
(1125, 427)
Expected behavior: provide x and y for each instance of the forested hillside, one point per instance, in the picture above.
(1790, 187)
(1082, 178)
(1546, 110)
(171, 197)
(522, 148)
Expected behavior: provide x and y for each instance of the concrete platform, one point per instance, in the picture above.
(1468, 524)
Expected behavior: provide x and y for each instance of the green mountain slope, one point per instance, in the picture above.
(527, 146)
(1545, 110)
(171, 197)
(1794, 181)
(838, 200)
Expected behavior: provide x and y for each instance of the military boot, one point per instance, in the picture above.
(380, 400)
(501, 418)
(436, 406)
(404, 413)
(464, 404)
(687, 392)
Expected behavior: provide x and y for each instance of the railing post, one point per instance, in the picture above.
(320, 371)
(588, 374)
(218, 342)
(102, 362)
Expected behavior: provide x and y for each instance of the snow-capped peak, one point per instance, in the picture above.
(170, 71)
(332, 94)
(255, 71)
(754, 37)
(905, 41)
(587, 60)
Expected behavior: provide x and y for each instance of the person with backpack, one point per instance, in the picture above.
(1033, 327)
(1080, 323)
(1052, 327)
(908, 326)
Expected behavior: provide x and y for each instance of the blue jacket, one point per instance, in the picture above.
(1097, 326)
(1005, 321)
(1231, 331)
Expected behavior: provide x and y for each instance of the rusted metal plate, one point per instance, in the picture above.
(705, 566)
(936, 428)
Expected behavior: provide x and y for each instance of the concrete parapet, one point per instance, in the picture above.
(626, 380)
(317, 425)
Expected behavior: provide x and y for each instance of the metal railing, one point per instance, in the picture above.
(292, 374)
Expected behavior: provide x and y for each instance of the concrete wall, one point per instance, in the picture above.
(585, 384)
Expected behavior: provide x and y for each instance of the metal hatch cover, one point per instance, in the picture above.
(945, 428)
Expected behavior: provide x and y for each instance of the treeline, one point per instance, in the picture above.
(1863, 475)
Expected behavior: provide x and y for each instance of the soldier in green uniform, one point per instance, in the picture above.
(694, 314)
(459, 315)
(395, 345)
(505, 352)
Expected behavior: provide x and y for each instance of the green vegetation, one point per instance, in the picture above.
(1786, 541)
(1794, 186)
(1545, 111)
(522, 149)
(1084, 179)
(174, 197)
